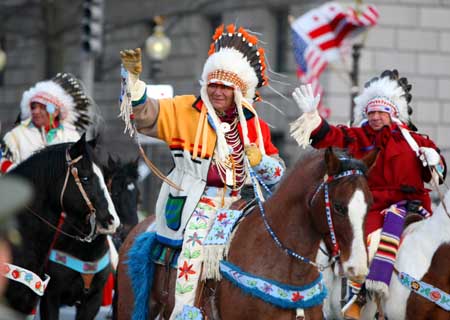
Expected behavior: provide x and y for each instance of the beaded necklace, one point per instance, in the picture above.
(232, 170)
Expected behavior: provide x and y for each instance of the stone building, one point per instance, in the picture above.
(44, 37)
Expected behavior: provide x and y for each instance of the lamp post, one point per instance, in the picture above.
(157, 47)
(2, 59)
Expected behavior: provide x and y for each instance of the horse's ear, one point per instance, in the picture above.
(93, 142)
(111, 162)
(370, 159)
(332, 162)
(78, 148)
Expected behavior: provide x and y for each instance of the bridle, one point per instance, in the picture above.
(91, 217)
(32, 278)
(324, 184)
(335, 253)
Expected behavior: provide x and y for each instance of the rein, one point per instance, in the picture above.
(326, 180)
(434, 183)
(90, 218)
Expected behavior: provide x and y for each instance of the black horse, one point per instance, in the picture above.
(71, 200)
(69, 255)
(122, 181)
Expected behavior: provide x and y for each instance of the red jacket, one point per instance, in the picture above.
(398, 174)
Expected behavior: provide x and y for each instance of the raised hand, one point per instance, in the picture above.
(304, 97)
(429, 156)
(132, 60)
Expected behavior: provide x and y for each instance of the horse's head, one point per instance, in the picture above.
(86, 193)
(346, 200)
(122, 182)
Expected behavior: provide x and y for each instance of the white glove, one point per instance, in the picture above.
(429, 156)
(304, 97)
(302, 128)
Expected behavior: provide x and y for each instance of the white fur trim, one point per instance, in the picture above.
(222, 147)
(66, 105)
(302, 127)
(230, 59)
(377, 286)
(384, 87)
(249, 106)
(242, 120)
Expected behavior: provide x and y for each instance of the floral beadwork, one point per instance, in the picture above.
(433, 294)
(270, 291)
(26, 277)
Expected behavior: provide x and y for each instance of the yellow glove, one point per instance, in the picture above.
(132, 61)
(253, 154)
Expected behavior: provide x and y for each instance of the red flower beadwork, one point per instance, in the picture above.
(222, 216)
(277, 171)
(296, 296)
(15, 274)
(186, 270)
(37, 285)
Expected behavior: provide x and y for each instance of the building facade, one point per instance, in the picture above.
(412, 36)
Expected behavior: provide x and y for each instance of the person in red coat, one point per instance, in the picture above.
(406, 158)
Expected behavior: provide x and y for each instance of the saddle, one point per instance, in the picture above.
(168, 256)
(412, 215)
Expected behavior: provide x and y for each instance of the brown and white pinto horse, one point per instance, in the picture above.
(425, 255)
(297, 215)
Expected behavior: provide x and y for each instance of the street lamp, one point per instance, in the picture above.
(2, 59)
(158, 44)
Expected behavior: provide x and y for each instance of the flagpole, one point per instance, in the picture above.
(354, 76)
(354, 73)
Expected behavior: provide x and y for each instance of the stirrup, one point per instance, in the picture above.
(352, 309)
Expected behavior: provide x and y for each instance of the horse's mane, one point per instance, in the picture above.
(46, 165)
(310, 168)
(129, 169)
(346, 161)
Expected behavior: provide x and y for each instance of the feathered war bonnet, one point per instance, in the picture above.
(386, 93)
(235, 61)
(66, 93)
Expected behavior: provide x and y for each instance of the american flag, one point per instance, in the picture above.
(318, 36)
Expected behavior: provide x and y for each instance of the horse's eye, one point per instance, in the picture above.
(84, 179)
(340, 209)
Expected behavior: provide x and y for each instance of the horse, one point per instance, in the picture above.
(122, 181)
(71, 200)
(423, 254)
(277, 240)
(86, 291)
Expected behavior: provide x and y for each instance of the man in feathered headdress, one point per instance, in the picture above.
(50, 113)
(215, 139)
(405, 161)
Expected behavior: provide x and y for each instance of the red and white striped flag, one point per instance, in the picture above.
(318, 36)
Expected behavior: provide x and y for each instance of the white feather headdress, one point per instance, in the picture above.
(382, 92)
(66, 93)
(236, 61)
